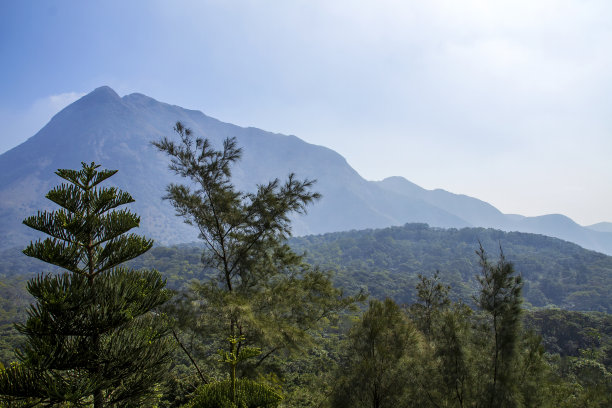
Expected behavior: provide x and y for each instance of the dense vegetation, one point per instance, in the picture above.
(386, 262)
(262, 300)
(254, 324)
(91, 336)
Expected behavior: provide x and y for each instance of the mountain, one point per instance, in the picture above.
(116, 132)
(601, 227)
(386, 263)
(472, 210)
(480, 214)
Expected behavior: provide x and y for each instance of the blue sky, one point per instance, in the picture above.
(506, 101)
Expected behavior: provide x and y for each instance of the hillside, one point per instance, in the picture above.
(386, 262)
(116, 132)
(478, 213)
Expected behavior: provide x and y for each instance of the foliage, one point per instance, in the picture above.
(236, 393)
(380, 363)
(274, 317)
(458, 357)
(179, 264)
(386, 263)
(246, 394)
(500, 298)
(567, 333)
(432, 298)
(90, 336)
(580, 347)
(261, 291)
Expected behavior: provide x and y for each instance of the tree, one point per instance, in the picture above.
(263, 292)
(91, 336)
(234, 393)
(500, 298)
(481, 359)
(432, 298)
(380, 370)
(447, 369)
(454, 356)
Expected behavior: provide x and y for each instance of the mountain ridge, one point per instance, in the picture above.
(116, 132)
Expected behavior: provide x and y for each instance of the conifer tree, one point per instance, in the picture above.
(500, 298)
(91, 336)
(383, 349)
(263, 292)
(447, 327)
(432, 298)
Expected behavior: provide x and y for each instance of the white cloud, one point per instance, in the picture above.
(59, 102)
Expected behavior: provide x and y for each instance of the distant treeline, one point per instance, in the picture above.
(386, 262)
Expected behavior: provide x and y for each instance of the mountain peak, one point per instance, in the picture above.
(601, 227)
(140, 99)
(400, 183)
(116, 131)
(99, 96)
(104, 92)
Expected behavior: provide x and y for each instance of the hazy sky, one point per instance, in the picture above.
(506, 101)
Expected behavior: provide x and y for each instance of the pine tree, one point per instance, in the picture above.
(91, 336)
(446, 371)
(432, 298)
(263, 291)
(382, 353)
(500, 298)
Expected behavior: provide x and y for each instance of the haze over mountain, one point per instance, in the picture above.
(116, 132)
(601, 226)
(477, 213)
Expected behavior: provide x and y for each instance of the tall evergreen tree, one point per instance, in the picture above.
(447, 327)
(454, 356)
(432, 298)
(263, 291)
(501, 298)
(91, 336)
(381, 364)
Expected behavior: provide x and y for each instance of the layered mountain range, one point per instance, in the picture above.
(116, 132)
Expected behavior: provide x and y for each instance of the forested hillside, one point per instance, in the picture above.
(386, 262)
(574, 370)
(455, 318)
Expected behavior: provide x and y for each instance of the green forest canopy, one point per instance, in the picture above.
(386, 262)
